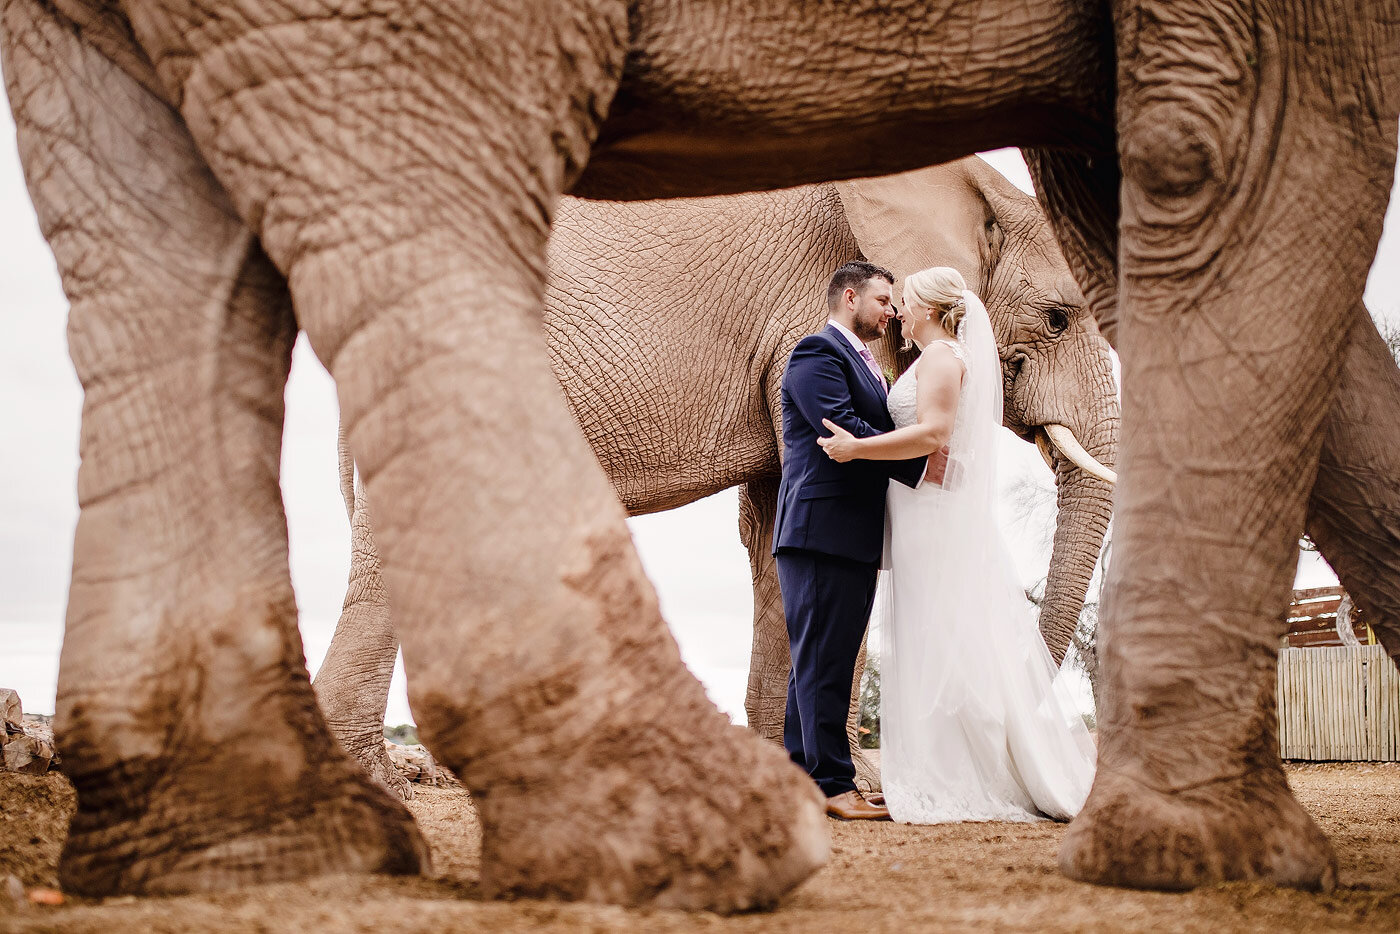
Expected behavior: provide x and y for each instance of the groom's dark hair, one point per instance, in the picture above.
(853, 275)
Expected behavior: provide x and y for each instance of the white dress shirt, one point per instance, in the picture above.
(860, 349)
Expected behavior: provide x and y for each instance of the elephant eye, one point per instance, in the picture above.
(1058, 320)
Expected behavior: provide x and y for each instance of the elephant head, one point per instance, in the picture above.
(1058, 370)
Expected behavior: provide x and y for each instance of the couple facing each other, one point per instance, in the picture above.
(973, 726)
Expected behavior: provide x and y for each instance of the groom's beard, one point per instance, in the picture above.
(867, 332)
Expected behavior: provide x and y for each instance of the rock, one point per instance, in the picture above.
(11, 710)
(412, 762)
(40, 727)
(26, 740)
(28, 754)
(416, 764)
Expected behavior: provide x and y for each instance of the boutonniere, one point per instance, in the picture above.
(889, 376)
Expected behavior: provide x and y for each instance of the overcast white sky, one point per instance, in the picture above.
(692, 554)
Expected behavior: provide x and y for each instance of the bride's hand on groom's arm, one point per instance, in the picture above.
(842, 445)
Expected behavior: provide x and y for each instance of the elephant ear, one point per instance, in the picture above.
(934, 216)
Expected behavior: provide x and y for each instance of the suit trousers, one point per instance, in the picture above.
(827, 603)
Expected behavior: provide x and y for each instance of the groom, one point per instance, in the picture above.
(830, 527)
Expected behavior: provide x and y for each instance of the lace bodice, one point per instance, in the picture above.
(903, 401)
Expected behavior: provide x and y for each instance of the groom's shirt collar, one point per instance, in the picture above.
(846, 332)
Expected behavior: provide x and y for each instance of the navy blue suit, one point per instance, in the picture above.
(827, 541)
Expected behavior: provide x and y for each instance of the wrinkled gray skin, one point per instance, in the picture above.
(1217, 172)
(668, 324)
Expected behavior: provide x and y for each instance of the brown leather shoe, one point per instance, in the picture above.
(876, 798)
(851, 806)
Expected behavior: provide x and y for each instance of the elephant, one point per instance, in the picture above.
(212, 177)
(668, 324)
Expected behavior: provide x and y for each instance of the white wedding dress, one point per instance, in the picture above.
(973, 725)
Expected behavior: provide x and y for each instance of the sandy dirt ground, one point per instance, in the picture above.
(882, 877)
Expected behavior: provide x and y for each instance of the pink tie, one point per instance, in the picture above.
(870, 362)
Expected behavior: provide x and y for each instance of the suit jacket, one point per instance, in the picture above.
(826, 507)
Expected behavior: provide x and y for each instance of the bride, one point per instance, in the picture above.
(973, 726)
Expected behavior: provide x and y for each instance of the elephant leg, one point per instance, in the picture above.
(352, 684)
(1238, 274)
(765, 702)
(540, 669)
(1354, 510)
(188, 724)
(867, 775)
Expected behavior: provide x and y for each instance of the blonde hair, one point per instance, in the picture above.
(938, 289)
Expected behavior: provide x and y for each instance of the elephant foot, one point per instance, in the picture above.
(382, 771)
(1236, 829)
(699, 815)
(374, 760)
(163, 826)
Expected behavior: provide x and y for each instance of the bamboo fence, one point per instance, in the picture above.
(1338, 702)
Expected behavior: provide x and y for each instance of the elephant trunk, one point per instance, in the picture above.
(352, 685)
(1084, 503)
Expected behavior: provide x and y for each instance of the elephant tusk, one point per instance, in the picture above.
(1070, 447)
(1046, 449)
